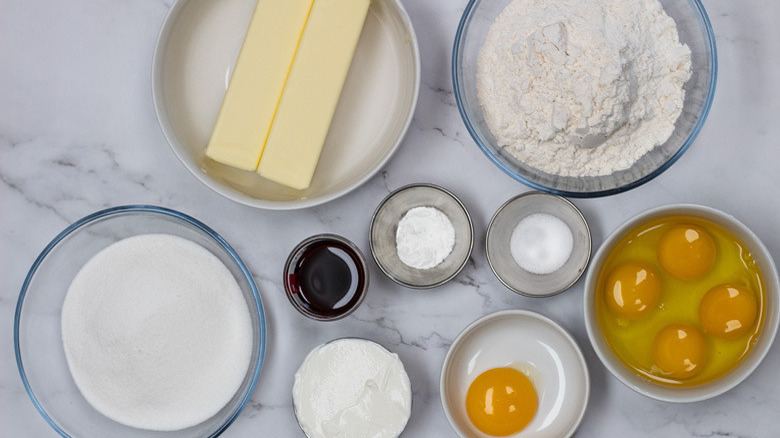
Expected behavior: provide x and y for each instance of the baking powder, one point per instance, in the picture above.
(424, 237)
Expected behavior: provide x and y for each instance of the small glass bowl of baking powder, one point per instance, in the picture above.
(537, 244)
(421, 236)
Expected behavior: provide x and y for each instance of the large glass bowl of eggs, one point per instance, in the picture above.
(682, 303)
(584, 99)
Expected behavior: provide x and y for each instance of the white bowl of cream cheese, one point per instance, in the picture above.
(352, 387)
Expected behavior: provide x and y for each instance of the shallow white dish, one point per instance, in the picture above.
(536, 346)
(193, 60)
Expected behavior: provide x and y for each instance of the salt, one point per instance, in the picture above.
(156, 332)
(541, 243)
(424, 237)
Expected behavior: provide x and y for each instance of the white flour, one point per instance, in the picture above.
(156, 332)
(424, 237)
(582, 88)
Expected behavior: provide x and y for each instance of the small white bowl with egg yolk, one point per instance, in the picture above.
(493, 356)
(680, 388)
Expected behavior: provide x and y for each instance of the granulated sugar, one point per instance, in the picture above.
(156, 332)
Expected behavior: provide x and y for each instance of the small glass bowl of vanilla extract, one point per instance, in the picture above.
(326, 277)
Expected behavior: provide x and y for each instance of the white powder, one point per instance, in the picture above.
(541, 243)
(582, 88)
(424, 237)
(352, 388)
(156, 332)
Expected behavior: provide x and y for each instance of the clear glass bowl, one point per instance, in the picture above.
(37, 333)
(358, 287)
(694, 29)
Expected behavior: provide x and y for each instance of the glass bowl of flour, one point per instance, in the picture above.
(584, 99)
(139, 321)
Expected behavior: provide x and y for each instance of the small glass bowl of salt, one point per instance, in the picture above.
(537, 244)
(421, 236)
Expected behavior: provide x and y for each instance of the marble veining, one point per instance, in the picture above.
(78, 133)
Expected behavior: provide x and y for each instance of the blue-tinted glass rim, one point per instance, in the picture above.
(512, 173)
(155, 210)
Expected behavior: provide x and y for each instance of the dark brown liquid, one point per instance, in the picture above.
(327, 279)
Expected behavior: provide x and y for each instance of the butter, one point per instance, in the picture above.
(257, 82)
(312, 91)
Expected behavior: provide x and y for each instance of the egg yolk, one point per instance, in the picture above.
(501, 401)
(632, 290)
(728, 311)
(686, 251)
(679, 351)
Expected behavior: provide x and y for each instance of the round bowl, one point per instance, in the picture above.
(193, 61)
(745, 367)
(349, 249)
(334, 341)
(384, 224)
(694, 29)
(532, 344)
(37, 331)
(499, 254)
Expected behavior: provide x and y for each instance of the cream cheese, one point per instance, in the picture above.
(352, 388)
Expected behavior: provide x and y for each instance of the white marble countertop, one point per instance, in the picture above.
(78, 134)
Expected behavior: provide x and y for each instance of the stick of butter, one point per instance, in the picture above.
(257, 82)
(312, 91)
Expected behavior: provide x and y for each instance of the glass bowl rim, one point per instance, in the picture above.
(113, 211)
(462, 25)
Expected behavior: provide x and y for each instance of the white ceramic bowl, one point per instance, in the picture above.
(196, 49)
(707, 390)
(532, 344)
(407, 390)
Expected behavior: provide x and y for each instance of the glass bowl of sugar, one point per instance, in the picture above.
(574, 107)
(139, 321)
